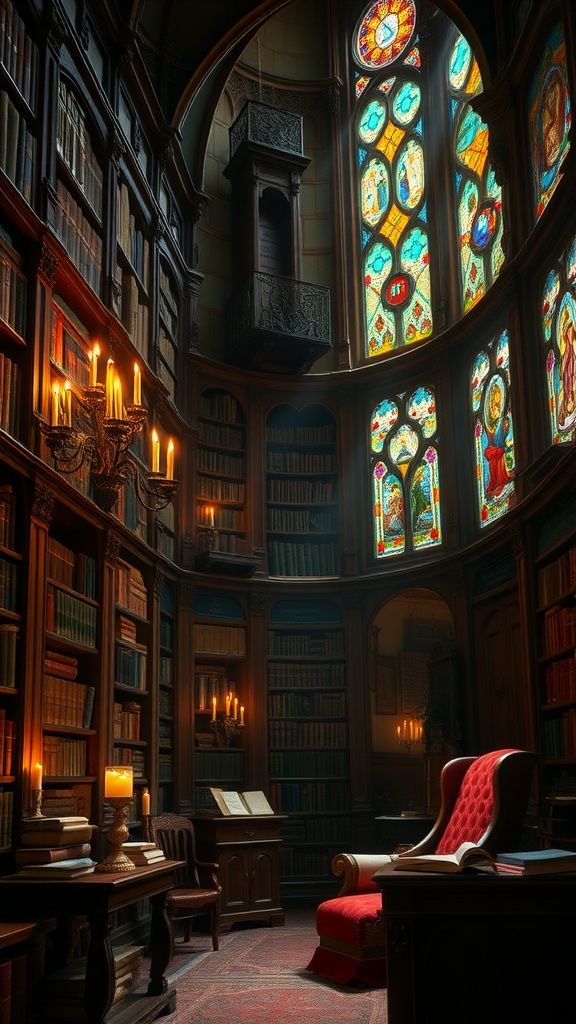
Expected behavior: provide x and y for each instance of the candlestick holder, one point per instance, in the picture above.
(36, 809)
(226, 729)
(146, 830)
(116, 835)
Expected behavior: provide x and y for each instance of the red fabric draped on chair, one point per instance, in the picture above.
(483, 801)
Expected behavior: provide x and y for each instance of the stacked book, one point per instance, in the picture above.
(143, 853)
(56, 847)
(63, 990)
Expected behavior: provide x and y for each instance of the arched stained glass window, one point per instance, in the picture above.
(559, 329)
(493, 430)
(405, 478)
(398, 114)
(550, 117)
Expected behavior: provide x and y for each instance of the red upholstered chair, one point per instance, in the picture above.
(483, 801)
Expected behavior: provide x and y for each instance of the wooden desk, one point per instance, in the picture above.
(98, 896)
(479, 947)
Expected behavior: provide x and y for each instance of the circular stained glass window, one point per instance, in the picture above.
(384, 32)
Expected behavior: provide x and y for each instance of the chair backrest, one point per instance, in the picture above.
(483, 801)
(175, 835)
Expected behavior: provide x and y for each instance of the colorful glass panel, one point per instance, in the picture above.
(493, 430)
(425, 502)
(389, 514)
(410, 175)
(406, 103)
(372, 121)
(375, 192)
(384, 32)
(383, 419)
(380, 325)
(559, 330)
(550, 118)
(414, 259)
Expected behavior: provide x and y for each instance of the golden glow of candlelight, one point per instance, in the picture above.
(118, 781)
(117, 399)
(93, 356)
(67, 404)
(155, 452)
(36, 776)
(145, 802)
(211, 517)
(109, 412)
(241, 714)
(213, 709)
(55, 414)
(170, 460)
(137, 385)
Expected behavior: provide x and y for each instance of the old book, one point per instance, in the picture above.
(59, 869)
(47, 855)
(230, 802)
(536, 862)
(63, 822)
(468, 855)
(67, 837)
(256, 802)
(144, 857)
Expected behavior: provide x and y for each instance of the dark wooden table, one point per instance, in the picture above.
(99, 896)
(479, 947)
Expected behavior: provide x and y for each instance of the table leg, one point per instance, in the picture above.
(100, 969)
(161, 945)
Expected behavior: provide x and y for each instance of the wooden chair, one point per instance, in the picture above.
(483, 801)
(197, 889)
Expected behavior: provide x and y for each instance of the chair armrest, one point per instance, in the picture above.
(358, 870)
(209, 867)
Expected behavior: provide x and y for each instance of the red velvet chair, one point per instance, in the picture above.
(483, 801)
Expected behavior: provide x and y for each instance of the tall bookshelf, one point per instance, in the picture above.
(19, 78)
(308, 738)
(13, 327)
(302, 513)
(132, 676)
(221, 518)
(167, 347)
(556, 638)
(10, 652)
(132, 268)
(220, 650)
(166, 701)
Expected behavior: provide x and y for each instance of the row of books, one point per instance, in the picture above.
(223, 518)
(217, 489)
(560, 736)
(165, 665)
(10, 375)
(300, 705)
(18, 52)
(68, 348)
(282, 520)
(17, 147)
(210, 461)
(208, 684)
(329, 644)
(309, 763)
(74, 146)
(295, 862)
(303, 735)
(65, 702)
(130, 238)
(131, 666)
(219, 405)
(310, 796)
(165, 764)
(126, 629)
(216, 639)
(294, 676)
(70, 617)
(557, 578)
(168, 302)
(561, 681)
(63, 989)
(126, 720)
(131, 589)
(166, 367)
(559, 629)
(222, 764)
(8, 640)
(289, 558)
(64, 757)
(7, 738)
(133, 313)
(8, 584)
(219, 436)
(168, 350)
(322, 829)
(81, 241)
(6, 816)
(74, 569)
(301, 435)
(129, 756)
(165, 703)
(7, 511)
(300, 492)
(229, 542)
(300, 462)
(13, 290)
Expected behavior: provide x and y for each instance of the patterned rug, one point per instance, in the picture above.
(258, 976)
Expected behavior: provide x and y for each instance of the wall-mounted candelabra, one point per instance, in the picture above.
(106, 446)
(227, 727)
(410, 733)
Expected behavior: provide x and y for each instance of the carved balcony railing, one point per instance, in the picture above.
(267, 126)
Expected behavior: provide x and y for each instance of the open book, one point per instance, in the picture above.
(468, 855)
(229, 802)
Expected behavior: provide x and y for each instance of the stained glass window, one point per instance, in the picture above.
(394, 87)
(550, 118)
(559, 329)
(493, 430)
(405, 478)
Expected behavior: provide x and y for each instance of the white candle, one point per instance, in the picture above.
(67, 404)
(236, 708)
(93, 355)
(170, 460)
(117, 399)
(36, 776)
(213, 709)
(211, 513)
(109, 388)
(118, 782)
(241, 714)
(155, 452)
(137, 385)
(227, 706)
(55, 415)
(145, 802)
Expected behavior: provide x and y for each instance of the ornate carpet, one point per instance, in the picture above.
(258, 976)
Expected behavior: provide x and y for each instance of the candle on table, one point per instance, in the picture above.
(109, 389)
(55, 414)
(241, 714)
(93, 355)
(118, 782)
(36, 776)
(137, 385)
(145, 802)
(170, 460)
(155, 452)
(213, 709)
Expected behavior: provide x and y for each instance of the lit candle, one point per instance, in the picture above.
(398, 731)
(213, 709)
(118, 782)
(227, 705)
(145, 802)
(241, 714)
(36, 776)
(137, 385)
(155, 452)
(67, 404)
(211, 514)
(170, 460)
(109, 388)
(236, 708)
(55, 404)
(93, 356)
(117, 399)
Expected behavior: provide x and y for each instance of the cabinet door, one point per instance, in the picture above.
(263, 878)
(235, 881)
(503, 684)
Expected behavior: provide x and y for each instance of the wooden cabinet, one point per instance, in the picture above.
(247, 852)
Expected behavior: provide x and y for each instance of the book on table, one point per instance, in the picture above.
(59, 869)
(536, 862)
(229, 802)
(468, 855)
(47, 854)
(142, 853)
(68, 836)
